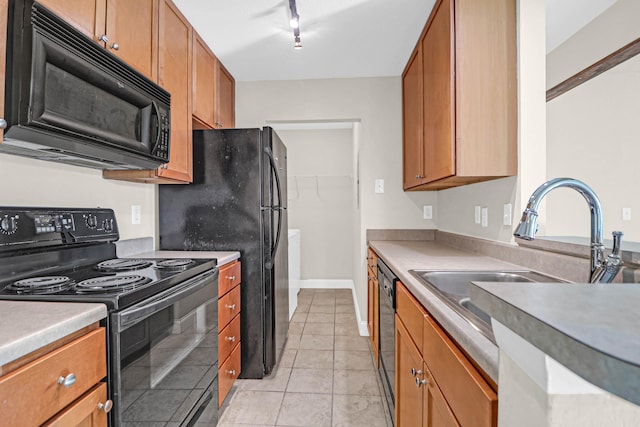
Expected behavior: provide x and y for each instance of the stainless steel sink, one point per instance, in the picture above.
(453, 288)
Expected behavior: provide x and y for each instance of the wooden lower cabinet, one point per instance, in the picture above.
(60, 386)
(436, 385)
(229, 361)
(373, 295)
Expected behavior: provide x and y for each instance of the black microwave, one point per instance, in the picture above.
(69, 100)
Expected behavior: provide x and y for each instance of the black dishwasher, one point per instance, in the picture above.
(387, 309)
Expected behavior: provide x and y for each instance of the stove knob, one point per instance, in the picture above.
(91, 221)
(107, 225)
(9, 224)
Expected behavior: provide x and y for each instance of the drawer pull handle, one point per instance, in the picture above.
(232, 278)
(231, 372)
(420, 382)
(415, 372)
(106, 406)
(67, 381)
(231, 339)
(231, 307)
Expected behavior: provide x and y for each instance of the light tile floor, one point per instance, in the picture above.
(326, 376)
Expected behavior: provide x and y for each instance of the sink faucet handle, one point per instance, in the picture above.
(617, 242)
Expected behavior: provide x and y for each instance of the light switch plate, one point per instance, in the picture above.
(379, 185)
(626, 214)
(507, 214)
(427, 212)
(485, 217)
(135, 214)
(477, 214)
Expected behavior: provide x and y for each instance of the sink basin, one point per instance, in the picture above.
(453, 288)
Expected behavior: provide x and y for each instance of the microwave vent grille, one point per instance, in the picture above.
(56, 29)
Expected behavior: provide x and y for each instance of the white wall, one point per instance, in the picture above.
(29, 182)
(321, 199)
(376, 102)
(593, 130)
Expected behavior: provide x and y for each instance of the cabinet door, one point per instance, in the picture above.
(88, 411)
(438, 114)
(412, 82)
(174, 74)
(225, 95)
(408, 398)
(88, 16)
(204, 69)
(435, 411)
(133, 27)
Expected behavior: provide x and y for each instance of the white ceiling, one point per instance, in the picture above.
(340, 38)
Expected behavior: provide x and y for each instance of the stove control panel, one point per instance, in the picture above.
(28, 228)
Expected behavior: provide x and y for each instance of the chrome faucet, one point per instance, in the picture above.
(602, 271)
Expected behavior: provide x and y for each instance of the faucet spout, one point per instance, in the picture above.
(601, 270)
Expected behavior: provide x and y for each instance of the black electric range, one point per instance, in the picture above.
(162, 313)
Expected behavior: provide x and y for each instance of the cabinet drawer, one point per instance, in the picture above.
(31, 395)
(228, 307)
(228, 338)
(472, 400)
(228, 278)
(85, 411)
(228, 373)
(411, 313)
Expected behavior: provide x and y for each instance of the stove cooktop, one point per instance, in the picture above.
(117, 282)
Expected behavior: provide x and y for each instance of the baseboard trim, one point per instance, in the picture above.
(339, 284)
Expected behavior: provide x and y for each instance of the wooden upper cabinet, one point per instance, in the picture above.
(204, 69)
(88, 16)
(412, 120)
(131, 27)
(468, 108)
(438, 93)
(174, 75)
(225, 98)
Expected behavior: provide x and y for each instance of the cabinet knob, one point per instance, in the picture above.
(415, 372)
(106, 406)
(421, 382)
(114, 46)
(231, 339)
(232, 278)
(231, 307)
(103, 38)
(231, 371)
(3, 124)
(67, 381)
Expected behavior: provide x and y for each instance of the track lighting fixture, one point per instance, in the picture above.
(295, 24)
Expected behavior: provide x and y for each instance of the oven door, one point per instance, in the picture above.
(164, 356)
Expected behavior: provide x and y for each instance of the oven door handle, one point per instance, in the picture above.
(134, 314)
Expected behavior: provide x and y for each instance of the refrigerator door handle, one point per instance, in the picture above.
(279, 208)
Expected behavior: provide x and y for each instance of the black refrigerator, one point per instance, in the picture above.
(238, 202)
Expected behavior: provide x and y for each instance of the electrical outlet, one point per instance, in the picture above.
(477, 214)
(379, 185)
(507, 214)
(427, 212)
(135, 214)
(485, 217)
(626, 214)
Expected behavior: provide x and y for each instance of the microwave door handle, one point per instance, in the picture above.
(133, 315)
(155, 114)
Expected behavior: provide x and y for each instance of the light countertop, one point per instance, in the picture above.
(594, 330)
(223, 257)
(28, 326)
(402, 256)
